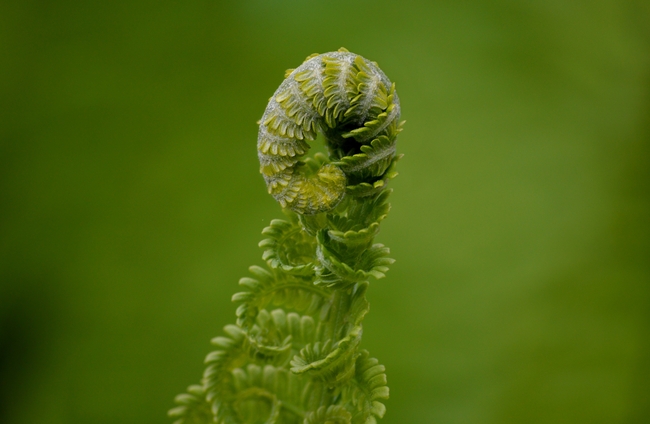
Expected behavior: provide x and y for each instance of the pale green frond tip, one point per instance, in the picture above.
(294, 354)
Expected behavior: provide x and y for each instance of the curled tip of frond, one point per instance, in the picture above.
(288, 247)
(276, 287)
(346, 97)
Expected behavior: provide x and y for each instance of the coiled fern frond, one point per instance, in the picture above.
(293, 355)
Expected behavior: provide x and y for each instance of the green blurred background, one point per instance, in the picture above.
(131, 203)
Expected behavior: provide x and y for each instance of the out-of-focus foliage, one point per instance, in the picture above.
(130, 200)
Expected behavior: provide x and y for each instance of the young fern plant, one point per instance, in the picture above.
(293, 355)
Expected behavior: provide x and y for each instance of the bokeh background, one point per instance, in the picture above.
(131, 203)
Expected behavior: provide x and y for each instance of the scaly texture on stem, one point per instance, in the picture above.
(293, 355)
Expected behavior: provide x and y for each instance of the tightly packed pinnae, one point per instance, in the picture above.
(353, 104)
(293, 355)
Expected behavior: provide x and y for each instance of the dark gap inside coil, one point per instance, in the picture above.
(329, 146)
(338, 146)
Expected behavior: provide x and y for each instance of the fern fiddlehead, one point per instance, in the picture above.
(293, 355)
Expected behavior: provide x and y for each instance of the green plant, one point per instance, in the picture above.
(301, 362)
